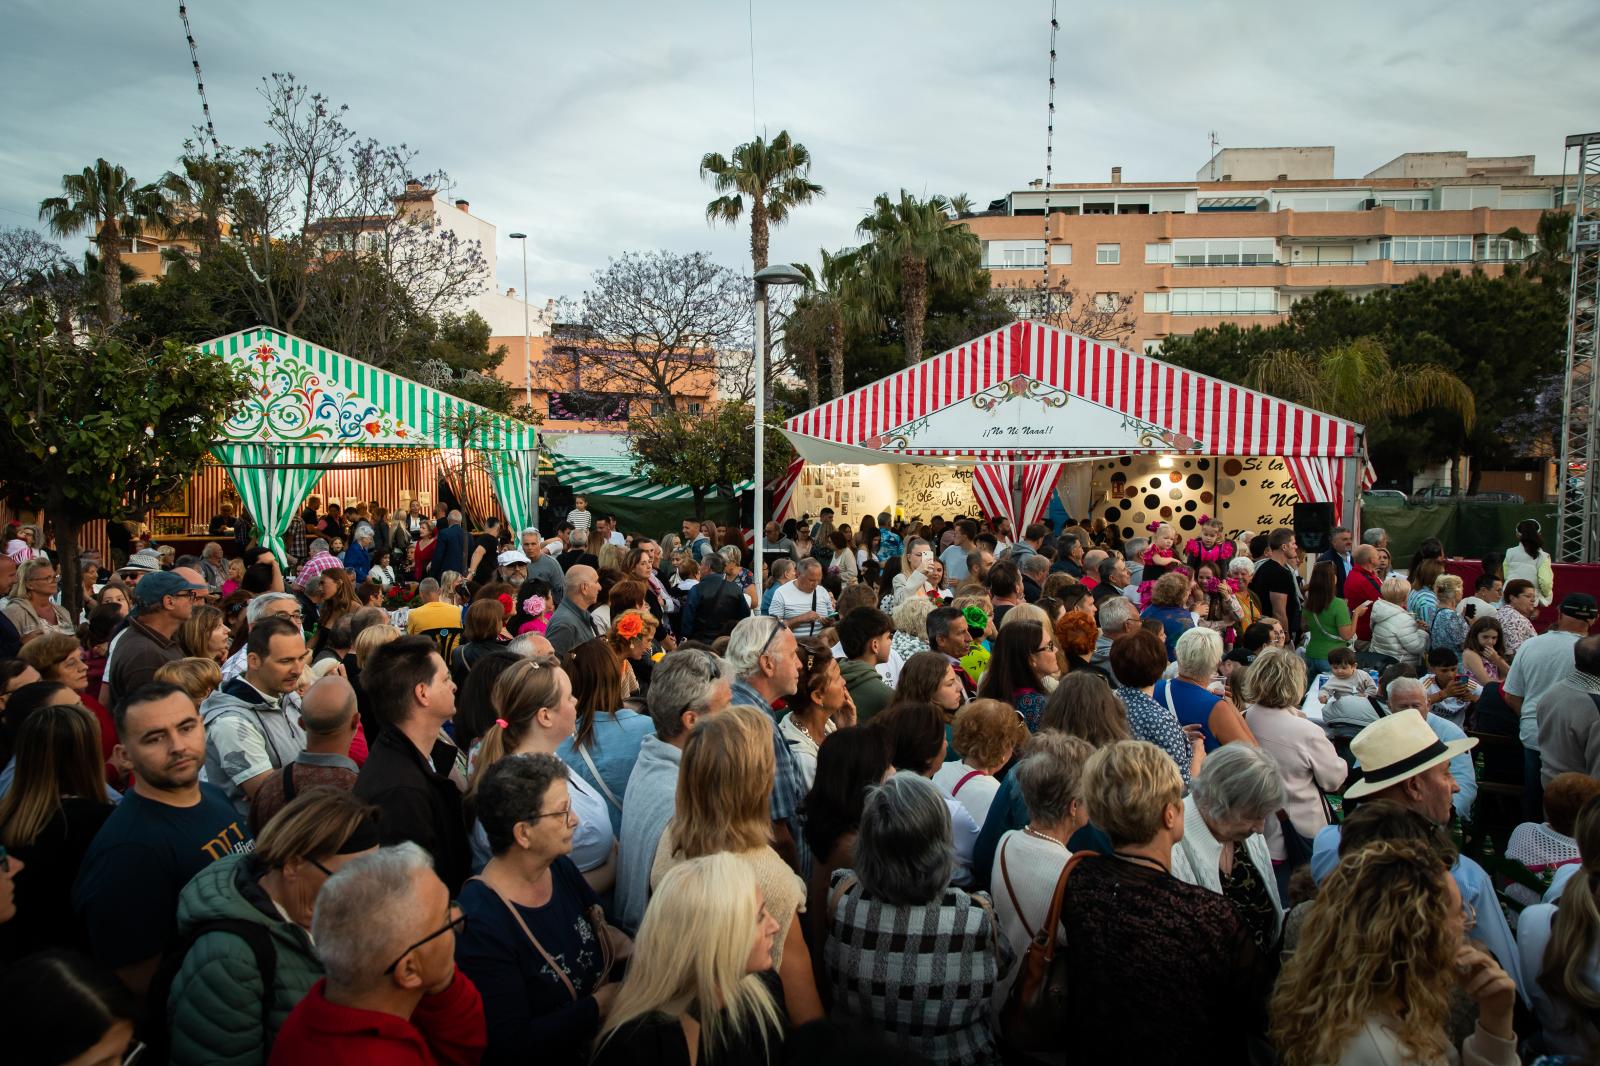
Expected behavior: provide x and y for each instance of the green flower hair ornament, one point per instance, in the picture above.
(975, 617)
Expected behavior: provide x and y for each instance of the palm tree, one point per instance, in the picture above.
(773, 177)
(1358, 381)
(913, 246)
(836, 301)
(204, 187)
(113, 207)
(961, 204)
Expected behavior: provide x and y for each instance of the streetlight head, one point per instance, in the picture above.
(781, 274)
(518, 236)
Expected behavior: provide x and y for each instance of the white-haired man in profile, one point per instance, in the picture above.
(385, 931)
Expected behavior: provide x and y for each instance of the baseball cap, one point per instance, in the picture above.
(511, 558)
(1580, 605)
(151, 588)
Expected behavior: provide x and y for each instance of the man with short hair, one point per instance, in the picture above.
(1376, 536)
(607, 525)
(1340, 542)
(249, 730)
(685, 686)
(1569, 717)
(213, 567)
(449, 547)
(803, 604)
(162, 602)
(576, 552)
(948, 634)
(265, 605)
(328, 718)
(1405, 762)
(1361, 585)
(1072, 559)
(320, 559)
(531, 645)
(1035, 572)
(412, 767)
(780, 573)
(431, 613)
(979, 560)
(168, 826)
(866, 638)
(715, 604)
(10, 639)
(541, 565)
(571, 624)
(763, 655)
(1275, 584)
(1032, 540)
(485, 553)
(385, 932)
(954, 557)
(1540, 666)
(513, 567)
(1091, 566)
(1005, 588)
(1118, 618)
(1115, 576)
(890, 544)
(1485, 599)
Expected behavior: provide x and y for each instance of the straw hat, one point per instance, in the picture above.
(1396, 747)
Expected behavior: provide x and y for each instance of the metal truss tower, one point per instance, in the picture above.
(1578, 523)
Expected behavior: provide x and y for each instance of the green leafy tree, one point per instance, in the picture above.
(113, 208)
(912, 246)
(708, 452)
(104, 429)
(1358, 381)
(201, 194)
(824, 317)
(774, 178)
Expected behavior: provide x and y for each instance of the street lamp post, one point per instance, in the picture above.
(527, 378)
(777, 274)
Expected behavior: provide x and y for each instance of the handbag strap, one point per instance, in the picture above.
(516, 916)
(1016, 905)
(838, 893)
(968, 776)
(1052, 919)
(588, 761)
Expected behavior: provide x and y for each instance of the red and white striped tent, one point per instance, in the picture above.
(1020, 402)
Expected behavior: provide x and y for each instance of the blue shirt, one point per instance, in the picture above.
(613, 748)
(1460, 767)
(1492, 931)
(954, 559)
(889, 545)
(787, 791)
(1175, 622)
(1193, 705)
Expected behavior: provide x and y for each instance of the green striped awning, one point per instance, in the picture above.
(610, 473)
(306, 394)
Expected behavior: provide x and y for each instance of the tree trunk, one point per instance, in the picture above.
(836, 354)
(66, 525)
(699, 501)
(914, 296)
(111, 267)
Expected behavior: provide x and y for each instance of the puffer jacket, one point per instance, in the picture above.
(215, 1006)
(1395, 633)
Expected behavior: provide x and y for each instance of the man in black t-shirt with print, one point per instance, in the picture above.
(168, 827)
(1275, 584)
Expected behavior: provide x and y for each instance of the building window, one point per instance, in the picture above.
(1061, 255)
(1013, 255)
(1158, 253)
(1106, 302)
(1241, 251)
(694, 409)
(1157, 303)
(1229, 301)
(1501, 250)
(1100, 209)
(1407, 203)
(1108, 254)
(1426, 249)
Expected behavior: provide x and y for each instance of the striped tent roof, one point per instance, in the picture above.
(306, 394)
(1078, 397)
(601, 464)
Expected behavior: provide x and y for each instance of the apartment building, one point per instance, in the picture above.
(1259, 229)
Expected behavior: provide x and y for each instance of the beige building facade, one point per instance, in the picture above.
(1272, 228)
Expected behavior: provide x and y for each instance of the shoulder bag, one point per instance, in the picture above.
(1035, 1017)
(602, 933)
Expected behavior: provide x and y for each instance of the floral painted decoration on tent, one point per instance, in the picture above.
(294, 404)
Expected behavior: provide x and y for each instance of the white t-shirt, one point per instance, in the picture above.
(976, 794)
(789, 602)
(1539, 666)
(1484, 609)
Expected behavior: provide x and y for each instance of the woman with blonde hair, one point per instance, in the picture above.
(1371, 978)
(1447, 629)
(1132, 925)
(706, 939)
(1189, 696)
(534, 713)
(920, 574)
(1396, 632)
(631, 634)
(605, 744)
(31, 607)
(205, 634)
(1558, 941)
(722, 804)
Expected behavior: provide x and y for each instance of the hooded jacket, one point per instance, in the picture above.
(1395, 632)
(246, 736)
(214, 1009)
(866, 688)
(652, 790)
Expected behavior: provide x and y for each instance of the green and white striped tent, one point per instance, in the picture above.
(600, 467)
(309, 403)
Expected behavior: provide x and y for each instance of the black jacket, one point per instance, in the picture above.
(715, 606)
(1339, 570)
(418, 802)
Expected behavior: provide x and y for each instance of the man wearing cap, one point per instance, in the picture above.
(1404, 761)
(1569, 717)
(513, 566)
(1542, 663)
(162, 602)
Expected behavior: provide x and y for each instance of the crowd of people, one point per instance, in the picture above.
(927, 792)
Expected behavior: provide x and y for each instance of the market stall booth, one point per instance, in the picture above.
(319, 423)
(1004, 422)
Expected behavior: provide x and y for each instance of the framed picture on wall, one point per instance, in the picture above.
(174, 504)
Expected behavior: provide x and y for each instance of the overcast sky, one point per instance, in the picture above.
(584, 122)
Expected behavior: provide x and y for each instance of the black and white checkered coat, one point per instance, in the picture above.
(925, 975)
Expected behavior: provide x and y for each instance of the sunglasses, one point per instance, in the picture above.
(777, 627)
(454, 925)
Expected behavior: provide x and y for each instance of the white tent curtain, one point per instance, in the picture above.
(270, 491)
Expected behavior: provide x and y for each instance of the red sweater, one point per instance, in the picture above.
(1361, 586)
(446, 1029)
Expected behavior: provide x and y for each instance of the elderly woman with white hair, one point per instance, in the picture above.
(1395, 631)
(1223, 847)
(1189, 695)
(927, 989)
(910, 619)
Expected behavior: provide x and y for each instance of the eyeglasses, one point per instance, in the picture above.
(325, 871)
(777, 627)
(1050, 647)
(454, 925)
(564, 813)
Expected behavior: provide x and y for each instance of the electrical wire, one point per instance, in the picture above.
(1049, 142)
(199, 81)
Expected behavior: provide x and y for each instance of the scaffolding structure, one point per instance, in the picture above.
(1578, 524)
